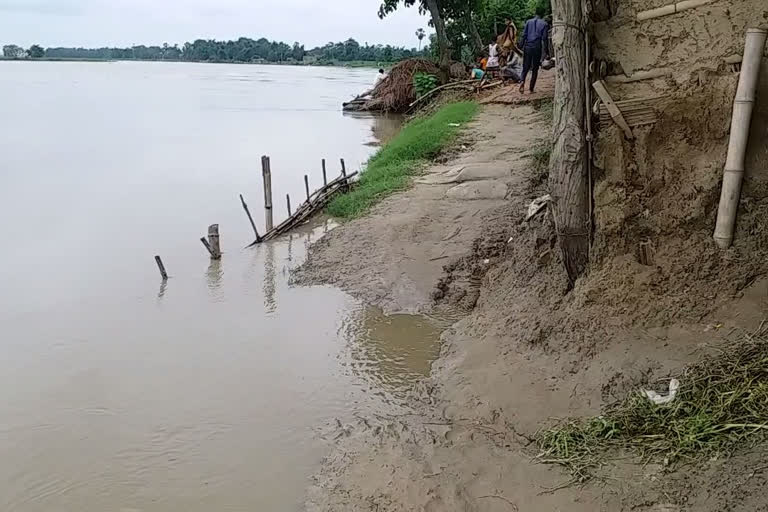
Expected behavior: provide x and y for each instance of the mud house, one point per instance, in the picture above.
(672, 70)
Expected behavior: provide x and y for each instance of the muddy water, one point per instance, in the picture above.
(208, 392)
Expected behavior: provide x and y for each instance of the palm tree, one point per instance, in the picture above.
(420, 34)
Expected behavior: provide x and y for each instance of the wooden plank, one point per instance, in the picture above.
(601, 91)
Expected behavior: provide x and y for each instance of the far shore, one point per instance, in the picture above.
(337, 64)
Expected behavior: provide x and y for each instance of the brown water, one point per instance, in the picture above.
(205, 393)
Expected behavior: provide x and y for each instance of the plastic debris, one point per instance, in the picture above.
(674, 386)
(537, 205)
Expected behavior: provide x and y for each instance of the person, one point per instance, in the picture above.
(535, 37)
(477, 72)
(379, 78)
(514, 68)
(492, 65)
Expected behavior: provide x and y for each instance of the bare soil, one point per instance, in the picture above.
(524, 350)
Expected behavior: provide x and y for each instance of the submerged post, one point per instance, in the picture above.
(160, 266)
(212, 244)
(288, 201)
(266, 174)
(325, 176)
(248, 212)
(306, 185)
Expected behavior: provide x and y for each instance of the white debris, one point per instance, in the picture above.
(537, 205)
(674, 386)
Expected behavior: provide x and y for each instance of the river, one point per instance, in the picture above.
(211, 391)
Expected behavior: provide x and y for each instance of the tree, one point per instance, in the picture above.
(36, 51)
(12, 51)
(420, 35)
(568, 179)
(434, 9)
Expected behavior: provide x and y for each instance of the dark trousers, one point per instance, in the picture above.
(531, 62)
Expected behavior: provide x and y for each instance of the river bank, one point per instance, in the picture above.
(523, 350)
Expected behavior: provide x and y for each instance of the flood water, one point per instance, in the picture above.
(206, 393)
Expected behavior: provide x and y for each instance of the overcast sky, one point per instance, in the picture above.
(95, 23)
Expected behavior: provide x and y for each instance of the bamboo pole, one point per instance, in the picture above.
(737, 145)
(306, 185)
(266, 174)
(343, 168)
(250, 218)
(288, 201)
(325, 176)
(161, 267)
(671, 9)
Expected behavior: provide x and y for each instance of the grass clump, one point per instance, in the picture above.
(722, 403)
(390, 169)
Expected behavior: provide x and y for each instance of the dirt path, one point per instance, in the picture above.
(407, 239)
(522, 350)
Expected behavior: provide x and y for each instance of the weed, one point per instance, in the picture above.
(390, 169)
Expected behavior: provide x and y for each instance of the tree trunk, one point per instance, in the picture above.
(442, 40)
(477, 41)
(568, 177)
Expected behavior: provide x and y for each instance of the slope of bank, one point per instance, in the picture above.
(523, 350)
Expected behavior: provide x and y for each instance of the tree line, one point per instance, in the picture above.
(241, 50)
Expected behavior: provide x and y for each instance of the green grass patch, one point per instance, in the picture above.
(391, 168)
(722, 404)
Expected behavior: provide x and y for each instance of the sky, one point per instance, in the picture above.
(97, 23)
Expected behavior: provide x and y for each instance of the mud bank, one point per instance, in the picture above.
(523, 350)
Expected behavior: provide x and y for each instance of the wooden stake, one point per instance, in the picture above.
(266, 173)
(288, 201)
(612, 108)
(248, 212)
(306, 185)
(160, 265)
(325, 176)
(343, 168)
(212, 244)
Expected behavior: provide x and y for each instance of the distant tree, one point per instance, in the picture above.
(36, 51)
(12, 51)
(420, 35)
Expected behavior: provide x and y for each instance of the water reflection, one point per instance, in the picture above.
(214, 275)
(163, 287)
(270, 304)
(384, 126)
(391, 352)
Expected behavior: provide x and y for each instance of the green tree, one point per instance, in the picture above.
(435, 10)
(36, 51)
(12, 51)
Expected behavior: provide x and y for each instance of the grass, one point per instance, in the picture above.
(392, 167)
(722, 404)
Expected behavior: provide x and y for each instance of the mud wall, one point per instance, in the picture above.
(666, 182)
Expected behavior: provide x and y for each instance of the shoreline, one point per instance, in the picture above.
(352, 65)
(523, 350)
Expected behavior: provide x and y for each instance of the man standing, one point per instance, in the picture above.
(535, 36)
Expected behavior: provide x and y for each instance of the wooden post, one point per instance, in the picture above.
(212, 244)
(160, 265)
(288, 201)
(325, 176)
(568, 177)
(266, 173)
(248, 212)
(343, 168)
(306, 185)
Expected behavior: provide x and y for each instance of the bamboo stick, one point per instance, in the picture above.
(671, 9)
(250, 218)
(306, 185)
(325, 177)
(266, 173)
(737, 145)
(161, 267)
(288, 201)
